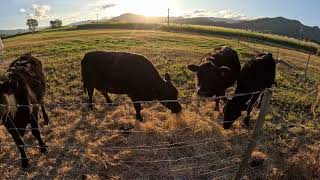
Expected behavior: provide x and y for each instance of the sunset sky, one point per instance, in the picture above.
(13, 13)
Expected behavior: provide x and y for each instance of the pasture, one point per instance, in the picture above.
(79, 140)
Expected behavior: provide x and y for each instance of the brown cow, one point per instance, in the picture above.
(126, 73)
(24, 85)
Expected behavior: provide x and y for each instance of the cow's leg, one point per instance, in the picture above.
(217, 107)
(36, 132)
(137, 107)
(105, 94)
(45, 115)
(90, 94)
(249, 109)
(18, 141)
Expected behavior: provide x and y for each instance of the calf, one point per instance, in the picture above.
(256, 75)
(22, 86)
(126, 73)
(218, 71)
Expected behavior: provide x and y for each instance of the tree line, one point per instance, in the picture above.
(33, 24)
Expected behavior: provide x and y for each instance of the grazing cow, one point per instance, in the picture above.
(126, 73)
(23, 85)
(218, 71)
(256, 75)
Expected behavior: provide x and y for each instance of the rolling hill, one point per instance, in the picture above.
(12, 32)
(277, 25)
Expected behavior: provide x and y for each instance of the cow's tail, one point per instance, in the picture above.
(45, 115)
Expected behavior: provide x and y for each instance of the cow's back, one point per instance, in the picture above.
(257, 75)
(225, 56)
(119, 72)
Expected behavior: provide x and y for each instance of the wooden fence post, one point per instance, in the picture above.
(278, 53)
(307, 66)
(256, 134)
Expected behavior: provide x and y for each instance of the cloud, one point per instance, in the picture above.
(22, 10)
(227, 13)
(107, 6)
(41, 11)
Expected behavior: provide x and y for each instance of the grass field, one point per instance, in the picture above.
(212, 30)
(79, 139)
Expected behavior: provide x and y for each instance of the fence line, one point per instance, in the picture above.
(277, 52)
(165, 146)
(159, 147)
(142, 102)
(211, 164)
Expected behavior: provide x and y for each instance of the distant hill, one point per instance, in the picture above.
(135, 18)
(281, 26)
(207, 21)
(278, 25)
(82, 22)
(12, 32)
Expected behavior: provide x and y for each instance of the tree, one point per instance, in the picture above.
(32, 24)
(56, 24)
(52, 24)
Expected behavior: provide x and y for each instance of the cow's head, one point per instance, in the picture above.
(232, 111)
(7, 98)
(170, 93)
(210, 78)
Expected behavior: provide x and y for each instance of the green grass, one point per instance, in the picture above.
(211, 30)
(290, 126)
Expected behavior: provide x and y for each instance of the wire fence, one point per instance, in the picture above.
(161, 153)
(149, 153)
(302, 63)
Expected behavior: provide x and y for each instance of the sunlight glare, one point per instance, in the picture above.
(149, 7)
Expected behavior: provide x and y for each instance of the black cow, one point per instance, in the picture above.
(256, 75)
(218, 71)
(126, 73)
(23, 84)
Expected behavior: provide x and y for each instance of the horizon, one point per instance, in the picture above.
(76, 11)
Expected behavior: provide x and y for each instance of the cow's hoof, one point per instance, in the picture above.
(44, 149)
(227, 125)
(247, 122)
(25, 164)
(91, 107)
(126, 130)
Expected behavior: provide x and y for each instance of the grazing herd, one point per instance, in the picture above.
(23, 85)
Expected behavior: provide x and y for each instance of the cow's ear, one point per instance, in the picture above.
(193, 68)
(224, 71)
(167, 77)
(27, 55)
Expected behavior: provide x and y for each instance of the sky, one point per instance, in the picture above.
(13, 13)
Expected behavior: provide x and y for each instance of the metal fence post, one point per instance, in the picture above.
(307, 66)
(256, 134)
